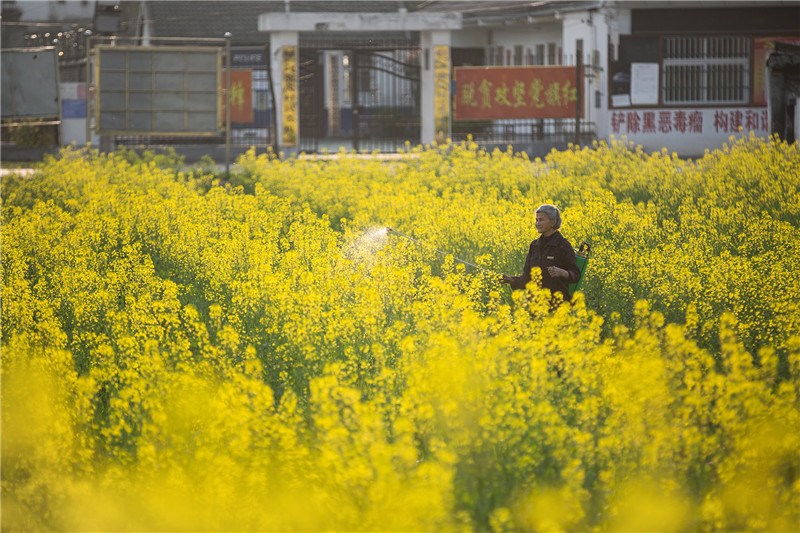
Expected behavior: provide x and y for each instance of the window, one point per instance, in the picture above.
(518, 55)
(706, 70)
(551, 53)
(539, 59)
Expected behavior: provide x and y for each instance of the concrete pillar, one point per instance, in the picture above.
(333, 91)
(284, 70)
(602, 30)
(579, 25)
(435, 96)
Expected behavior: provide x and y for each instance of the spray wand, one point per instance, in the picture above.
(390, 230)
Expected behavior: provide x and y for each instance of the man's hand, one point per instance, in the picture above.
(556, 272)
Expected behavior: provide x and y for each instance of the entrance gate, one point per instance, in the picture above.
(357, 98)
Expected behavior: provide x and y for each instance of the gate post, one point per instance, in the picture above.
(435, 78)
(284, 46)
(354, 75)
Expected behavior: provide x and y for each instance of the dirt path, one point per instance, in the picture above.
(17, 171)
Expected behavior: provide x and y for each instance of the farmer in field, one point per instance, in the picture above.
(552, 253)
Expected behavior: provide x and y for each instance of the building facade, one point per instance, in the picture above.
(676, 75)
(689, 78)
(684, 76)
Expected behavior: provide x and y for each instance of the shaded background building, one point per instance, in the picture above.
(680, 75)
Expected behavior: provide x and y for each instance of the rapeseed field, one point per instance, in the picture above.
(183, 353)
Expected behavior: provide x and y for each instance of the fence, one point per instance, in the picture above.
(520, 132)
(363, 97)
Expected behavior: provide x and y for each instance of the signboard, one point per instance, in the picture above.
(254, 90)
(73, 99)
(29, 83)
(254, 58)
(73, 112)
(241, 96)
(158, 90)
(515, 92)
(687, 131)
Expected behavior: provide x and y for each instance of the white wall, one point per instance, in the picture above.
(598, 84)
(577, 26)
(623, 20)
(510, 37)
(471, 38)
(528, 36)
(36, 11)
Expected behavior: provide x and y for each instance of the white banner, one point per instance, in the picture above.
(687, 131)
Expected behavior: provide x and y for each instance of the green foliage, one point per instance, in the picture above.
(31, 135)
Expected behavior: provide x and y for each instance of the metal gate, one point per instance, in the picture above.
(311, 100)
(359, 99)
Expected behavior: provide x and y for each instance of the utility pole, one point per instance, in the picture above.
(228, 36)
(578, 90)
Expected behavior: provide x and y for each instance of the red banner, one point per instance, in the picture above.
(241, 96)
(514, 92)
(761, 47)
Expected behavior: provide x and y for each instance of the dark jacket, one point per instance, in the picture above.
(550, 251)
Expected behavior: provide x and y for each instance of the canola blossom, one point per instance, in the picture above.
(185, 353)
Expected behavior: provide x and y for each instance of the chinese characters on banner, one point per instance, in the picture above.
(289, 100)
(441, 65)
(515, 92)
(688, 121)
(241, 96)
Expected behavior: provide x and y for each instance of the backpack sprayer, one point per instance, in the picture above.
(581, 256)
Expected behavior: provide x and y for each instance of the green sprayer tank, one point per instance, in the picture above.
(582, 257)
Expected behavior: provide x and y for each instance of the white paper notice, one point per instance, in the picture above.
(644, 83)
(620, 100)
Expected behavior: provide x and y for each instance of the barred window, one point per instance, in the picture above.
(518, 55)
(539, 59)
(551, 53)
(706, 70)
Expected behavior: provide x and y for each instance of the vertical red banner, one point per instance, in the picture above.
(515, 92)
(762, 46)
(241, 94)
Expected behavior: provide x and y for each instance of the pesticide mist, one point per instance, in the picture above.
(364, 248)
